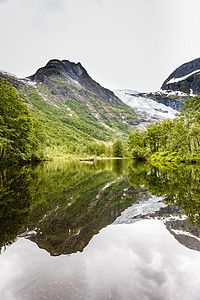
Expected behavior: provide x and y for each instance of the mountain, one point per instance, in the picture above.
(185, 78)
(74, 74)
(183, 82)
(156, 106)
(65, 203)
(76, 113)
(72, 107)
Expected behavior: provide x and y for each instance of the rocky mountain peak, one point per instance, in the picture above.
(186, 69)
(74, 68)
(185, 78)
(63, 68)
(74, 73)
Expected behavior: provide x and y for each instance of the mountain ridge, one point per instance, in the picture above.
(77, 74)
(186, 78)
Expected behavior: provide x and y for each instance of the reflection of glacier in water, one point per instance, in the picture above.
(172, 217)
(134, 213)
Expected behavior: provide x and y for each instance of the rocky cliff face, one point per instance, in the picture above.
(72, 73)
(185, 78)
(173, 100)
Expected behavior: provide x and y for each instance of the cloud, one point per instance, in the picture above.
(45, 6)
(3, 1)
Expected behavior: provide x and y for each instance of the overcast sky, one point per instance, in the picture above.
(133, 44)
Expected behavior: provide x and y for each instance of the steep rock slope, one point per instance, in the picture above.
(185, 78)
(72, 73)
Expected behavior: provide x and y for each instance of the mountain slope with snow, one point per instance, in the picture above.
(185, 78)
(148, 109)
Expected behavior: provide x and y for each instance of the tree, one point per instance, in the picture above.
(137, 144)
(154, 133)
(117, 148)
(16, 126)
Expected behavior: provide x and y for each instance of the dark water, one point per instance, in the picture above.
(113, 229)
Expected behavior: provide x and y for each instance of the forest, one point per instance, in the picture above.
(175, 140)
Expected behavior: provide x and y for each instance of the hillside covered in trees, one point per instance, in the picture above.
(171, 140)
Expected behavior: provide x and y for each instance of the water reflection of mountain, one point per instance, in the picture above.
(79, 202)
(179, 226)
(184, 234)
(179, 187)
(64, 233)
(109, 193)
(62, 205)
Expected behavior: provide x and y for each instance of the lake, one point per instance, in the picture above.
(109, 229)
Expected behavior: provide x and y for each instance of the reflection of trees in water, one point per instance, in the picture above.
(179, 185)
(17, 194)
(63, 198)
(62, 192)
(117, 166)
(80, 205)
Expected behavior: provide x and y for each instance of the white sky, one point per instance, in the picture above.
(132, 44)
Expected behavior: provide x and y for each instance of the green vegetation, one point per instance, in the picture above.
(117, 148)
(20, 135)
(67, 202)
(63, 118)
(179, 185)
(46, 131)
(72, 130)
(175, 140)
(58, 198)
(19, 191)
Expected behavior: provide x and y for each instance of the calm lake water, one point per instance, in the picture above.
(112, 229)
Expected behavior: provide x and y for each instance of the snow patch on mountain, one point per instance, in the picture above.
(8, 74)
(28, 82)
(173, 80)
(169, 93)
(146, 107)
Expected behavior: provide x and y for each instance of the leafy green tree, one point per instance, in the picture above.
(137, 144)
(154, 136)
(20, 135)
(170, 140)
(117, 148)
(16, 125)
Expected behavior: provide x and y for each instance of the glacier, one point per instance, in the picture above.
(148, 109)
